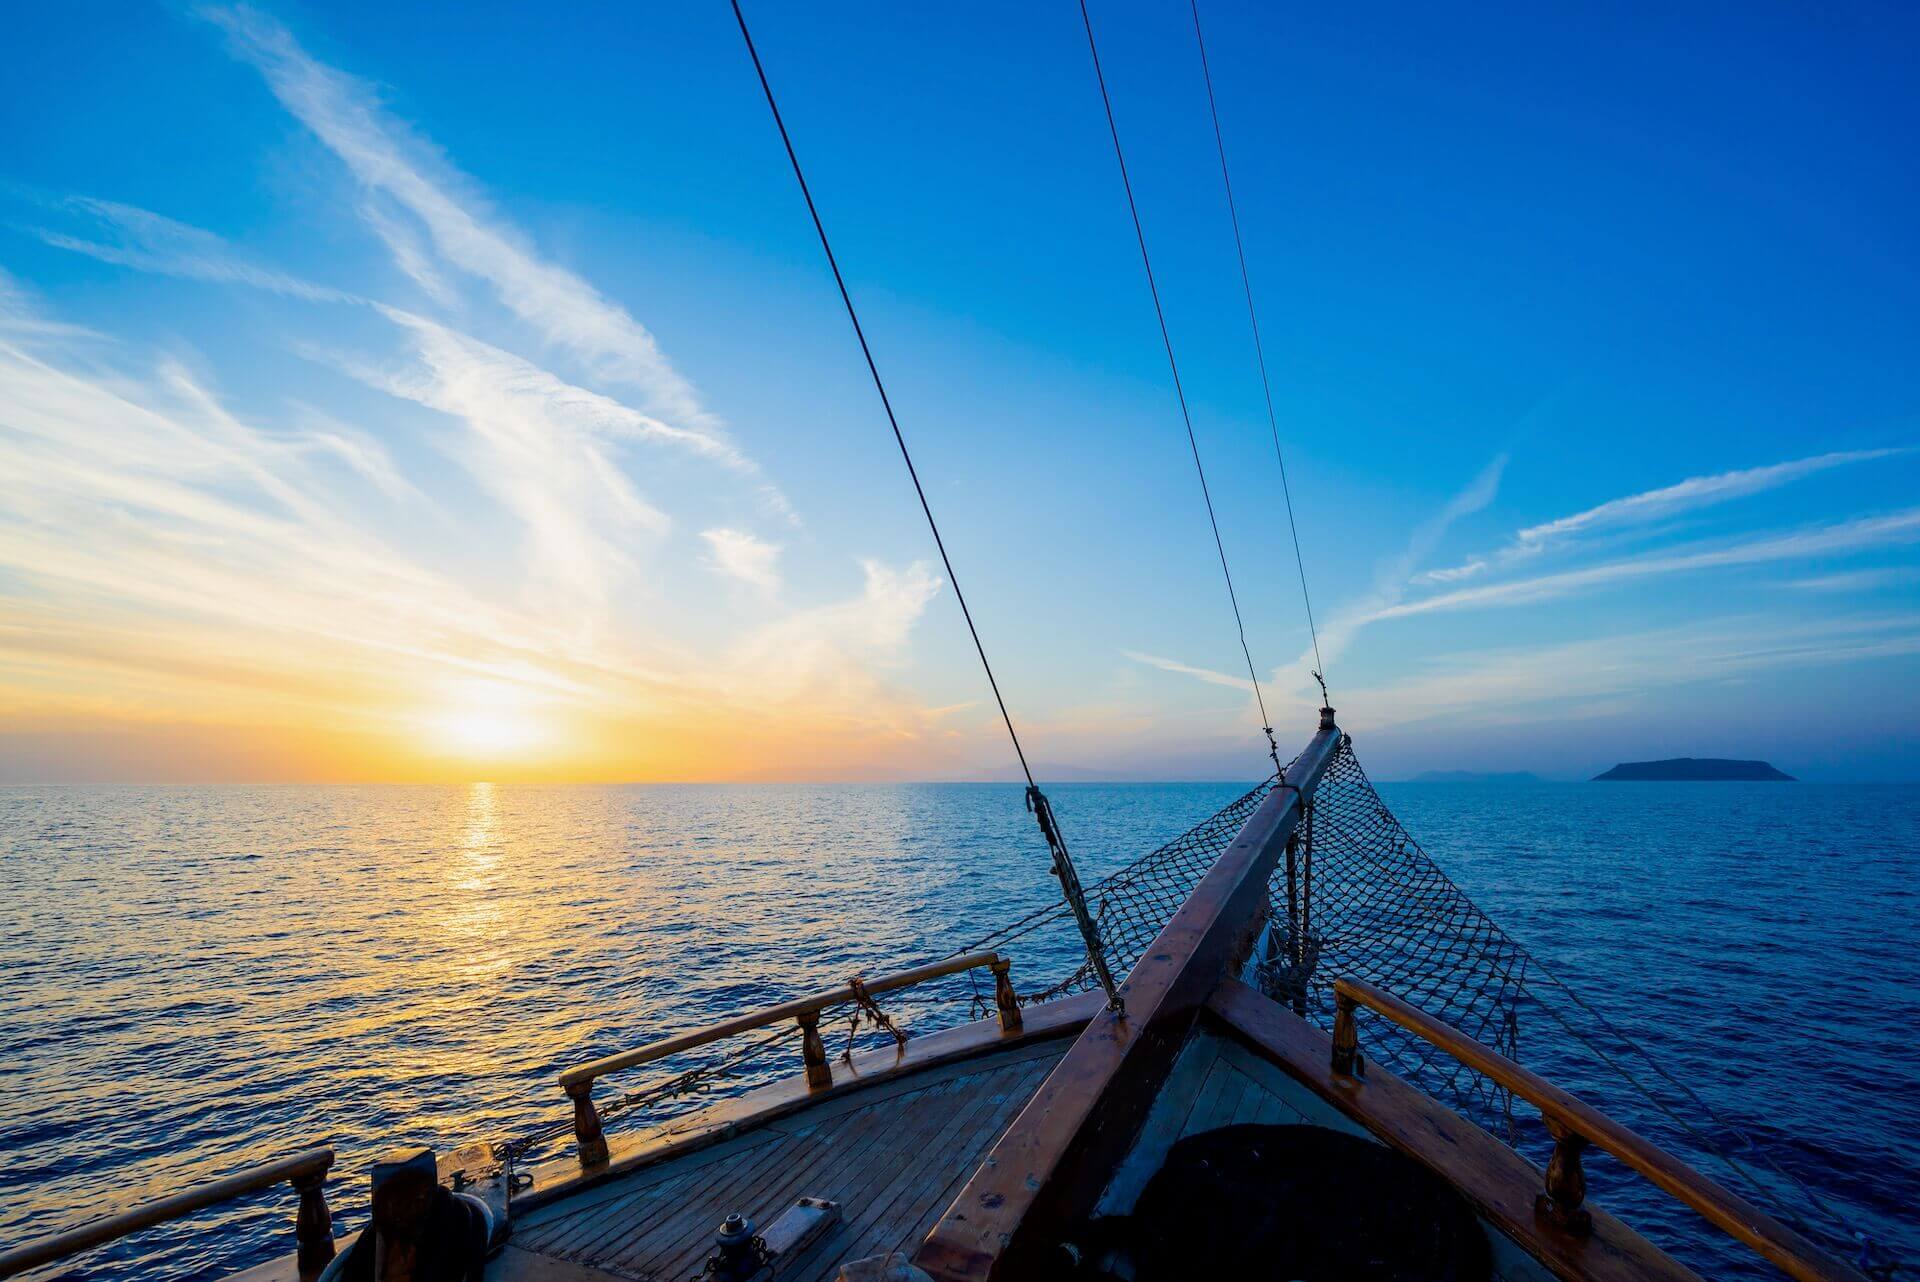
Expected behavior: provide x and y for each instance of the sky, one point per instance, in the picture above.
(441, 392)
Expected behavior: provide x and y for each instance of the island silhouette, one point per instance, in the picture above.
(1694, 770)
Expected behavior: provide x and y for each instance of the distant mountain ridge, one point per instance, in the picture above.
(1476, 776)
(1694, 770)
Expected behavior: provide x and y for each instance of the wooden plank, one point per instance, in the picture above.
(560, 1236)
(1165, 1124)
(514, 1264)
(993, 1101)
(599, 1238)
(612, 1237)
(680, 1245)
(980, 1100)
(698, 1211)
(873, 1152)
(940, 1190)
(536, 1220)
(1048, 1050)
(900, 1165)
(1235, 1090)
(957, 1174)
(1209, 1095)
(986, 1102)
(951, 1157)
(1302, 1104)
(563, 1177)
(1496, 1181)
(1726, 1210)
(1252, 1100)
(1049, 1168)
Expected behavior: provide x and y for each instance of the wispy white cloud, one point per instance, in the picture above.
(451, 355)
(1207, 675)
(1516, 684)
(1647, 507)
(387, 157)
(23, 322)
(742, 556)
(150, 242)
(1391, 582)
(1856, 580)
(1694, 492)
(413, 258)
(322, 434)
(543, 449)
(1453, 574)
(162, 557)
(1867, 532)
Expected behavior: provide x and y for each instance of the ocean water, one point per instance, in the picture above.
(192, 979)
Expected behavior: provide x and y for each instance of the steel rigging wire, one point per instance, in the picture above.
(1179, 391)
(1259, 350)
(1036, 800)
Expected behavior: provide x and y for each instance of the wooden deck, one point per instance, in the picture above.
(894, 1156)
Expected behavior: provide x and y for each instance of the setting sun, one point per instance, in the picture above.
(486, 720)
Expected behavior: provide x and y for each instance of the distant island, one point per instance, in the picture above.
(1694, 770)
(1475, 776)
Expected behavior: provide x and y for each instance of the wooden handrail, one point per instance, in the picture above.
(1574, 1124)
(578, 1081)
(312, 1226)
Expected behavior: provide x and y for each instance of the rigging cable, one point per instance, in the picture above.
(1036, 800)
(1259, 351)
(1266, 724)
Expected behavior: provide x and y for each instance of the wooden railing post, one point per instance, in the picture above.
(1004, 997)
(586, 1124)
(1346, 1035)
(1566, 1182)
(812, 1052)
(1574, 1125)
(312, 1223)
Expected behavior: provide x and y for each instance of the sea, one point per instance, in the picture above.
(193, 979)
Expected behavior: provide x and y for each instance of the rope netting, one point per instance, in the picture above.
(1356, 896)
(1132, 905)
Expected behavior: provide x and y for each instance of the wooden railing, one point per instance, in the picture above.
(578, 1082)
(1574, 1125)
(1043, 1177)
(312, 1224)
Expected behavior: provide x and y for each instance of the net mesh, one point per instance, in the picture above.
(1130, 906)
(1355, 896)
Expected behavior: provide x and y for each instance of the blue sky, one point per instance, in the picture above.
(427, 391)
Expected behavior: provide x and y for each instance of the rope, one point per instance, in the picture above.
(863, 1004)
(1036, 800)
(1179, 391)
(1259, 351)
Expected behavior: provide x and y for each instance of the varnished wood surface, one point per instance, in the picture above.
(812, 1004)
(1043, 1022)
(892, 1155)
(1498, 1182)
(1719, 1206)
(302, 1169)
(1050, 1166)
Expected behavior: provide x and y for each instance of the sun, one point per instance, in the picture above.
(486, 720)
